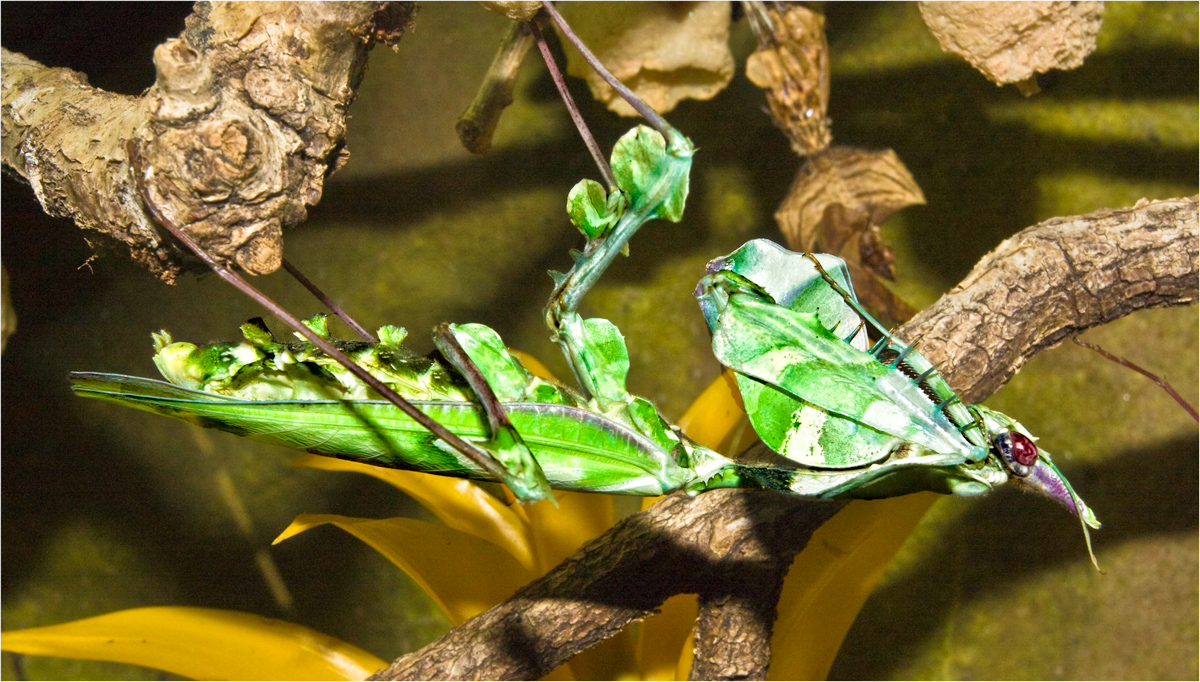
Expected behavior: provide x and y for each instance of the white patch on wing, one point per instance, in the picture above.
(802, 443)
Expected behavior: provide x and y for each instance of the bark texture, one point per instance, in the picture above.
(245, 121)
(733, 547)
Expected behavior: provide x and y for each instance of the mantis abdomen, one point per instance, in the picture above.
(578, 450)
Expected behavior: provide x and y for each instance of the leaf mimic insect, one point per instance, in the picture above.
(839, 419)
(879, 419)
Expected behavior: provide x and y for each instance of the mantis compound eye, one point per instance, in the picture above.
(1018, 452)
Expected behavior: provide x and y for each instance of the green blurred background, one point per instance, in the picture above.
(106, 508)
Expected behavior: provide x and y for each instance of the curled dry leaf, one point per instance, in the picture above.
(836, 204)
(1011, 42)
(792, 65)
(664, 51)
(517, 10)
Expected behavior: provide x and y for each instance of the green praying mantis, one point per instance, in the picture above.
(840, 419)
(837, 418)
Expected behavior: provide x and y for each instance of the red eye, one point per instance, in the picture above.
(1023, 450)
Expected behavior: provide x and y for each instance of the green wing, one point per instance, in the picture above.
(798, 344)
(794, 353)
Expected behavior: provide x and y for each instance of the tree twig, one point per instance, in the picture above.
(1047, 283)
(478, 123)
(242, 131)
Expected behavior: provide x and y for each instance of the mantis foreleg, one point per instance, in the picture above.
(524, 475)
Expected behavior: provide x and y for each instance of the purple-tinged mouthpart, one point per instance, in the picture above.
(1048, 480)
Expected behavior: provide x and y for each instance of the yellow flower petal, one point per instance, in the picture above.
(559, 532)
(661, 640)
(463, 574)
(535, 366)
(833, 576)
(458, 503)
(203, 644)
(714, 414)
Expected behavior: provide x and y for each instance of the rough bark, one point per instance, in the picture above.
(680, 545)
(245, 121)
(1051, 281)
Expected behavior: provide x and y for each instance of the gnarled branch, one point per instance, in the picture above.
(1050, 281)
(245, 121)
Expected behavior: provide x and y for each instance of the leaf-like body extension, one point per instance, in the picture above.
(791, 280)
(202, 644)
(597, 350)
(577, 449)
(591, 208)
(644, 168)
(503, 372)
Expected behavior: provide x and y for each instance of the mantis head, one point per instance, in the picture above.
(1030, 468)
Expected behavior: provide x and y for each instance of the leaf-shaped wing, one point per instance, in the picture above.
(793, 352)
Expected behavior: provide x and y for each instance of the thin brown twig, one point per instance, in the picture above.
(471, 452)
(580, 125)
(478, 123)
(1162, 383)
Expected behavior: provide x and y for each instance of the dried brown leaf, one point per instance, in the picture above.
(792, 65)
(664, 51)
(1011, 42)
(836, 204)
(868, 186)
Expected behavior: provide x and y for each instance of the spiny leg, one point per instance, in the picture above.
(523, 475)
